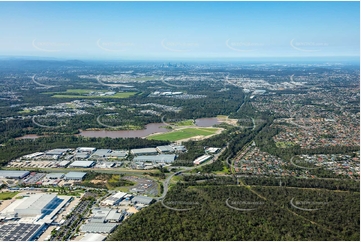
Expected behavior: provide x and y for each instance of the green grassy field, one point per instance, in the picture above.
(188, 122)
(184, 134)
(284, 144)
(7, 195)
(76, 91)
(83, 91)
(25, 111)
(117, 95)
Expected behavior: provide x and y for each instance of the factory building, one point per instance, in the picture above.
(86, 149)
(55, 176)
(37, 204)
(93, 237)
(105, 164)
(32, 156)
(79, 176)
(164, 158)
(120, 154)
(82, 164)
(106, 215)
(114, 199)
(212, 150)
(64, 163)
(81, 156)
(165, 149)
(144, 151)
(98, 228)
(13, 174)
(58, 152)
(114, 216)
(142, 200)
(179, 148)
(32, 216)
(101, 153)
(201, 159)
(99, 215)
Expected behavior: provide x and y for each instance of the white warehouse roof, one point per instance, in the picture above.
(86, 149)
(166, 158)
(83, 163)
(93, 237)
(201, 159)
(114, 198)
(144, 151)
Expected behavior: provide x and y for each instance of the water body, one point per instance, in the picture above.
(150, 129)
(206, 122)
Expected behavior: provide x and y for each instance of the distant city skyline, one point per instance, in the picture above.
(179, 30)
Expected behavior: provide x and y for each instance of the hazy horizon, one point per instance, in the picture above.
(180, 30)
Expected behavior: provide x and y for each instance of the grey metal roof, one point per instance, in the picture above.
(56, 151)
(144, 151)
(119, 153)
(37, 201)
(102, 152)
(13, 174)
(114, 215)
(99, 215)
(167, 158)
(179, 147)
(82, 155)
(64, 163)
(165, 148)
(75, 175)
(142, 199)
(55, 175)
(98, 227)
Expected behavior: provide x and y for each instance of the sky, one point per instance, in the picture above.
(179, 30)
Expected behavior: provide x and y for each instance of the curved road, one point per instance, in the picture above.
(167, 180)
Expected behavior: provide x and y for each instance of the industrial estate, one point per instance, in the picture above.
(171, 121)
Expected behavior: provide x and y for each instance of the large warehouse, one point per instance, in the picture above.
(55, 176)
(120, 154)
(13, 174)
(86, 149)
(101, 153)
(59, 152)
(113, 199)
(37, 204)
(98, 227)
(165, 149)
(79, 176)
(93, 237)
(202, 159)
(164, 158)
(82, 164)
(143, 200)
(144, 151)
